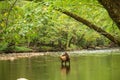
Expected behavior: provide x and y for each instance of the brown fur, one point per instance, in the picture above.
(65, 58)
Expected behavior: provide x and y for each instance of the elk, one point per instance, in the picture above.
(65, 58)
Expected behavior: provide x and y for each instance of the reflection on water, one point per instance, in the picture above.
(65, 69)
(84, 67)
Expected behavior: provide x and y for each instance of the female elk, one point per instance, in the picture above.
(65, 58)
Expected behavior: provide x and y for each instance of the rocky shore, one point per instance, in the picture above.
(14, 56)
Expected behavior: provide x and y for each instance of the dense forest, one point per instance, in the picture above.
(54, 25)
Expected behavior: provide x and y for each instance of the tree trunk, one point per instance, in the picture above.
(92, 26)
(80, 39)
(11, 7)
(70, 41)
(113, 8)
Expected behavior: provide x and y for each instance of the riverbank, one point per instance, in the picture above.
(14, 56)
(92, 51)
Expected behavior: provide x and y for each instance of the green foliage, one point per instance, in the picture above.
(3, 47)
(22, 49)
(6, 49)
(36, 24)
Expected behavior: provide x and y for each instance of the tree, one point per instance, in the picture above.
(114, 13)
(92, 26)
(36, 24)
(113, 8)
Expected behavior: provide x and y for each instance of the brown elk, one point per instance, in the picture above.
(65, 58)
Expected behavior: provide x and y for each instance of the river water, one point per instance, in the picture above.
(82, 67)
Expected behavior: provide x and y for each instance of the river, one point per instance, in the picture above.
(103, 66)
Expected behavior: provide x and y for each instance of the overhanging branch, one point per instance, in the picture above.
(91, 25)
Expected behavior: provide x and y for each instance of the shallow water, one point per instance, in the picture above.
(82, 67)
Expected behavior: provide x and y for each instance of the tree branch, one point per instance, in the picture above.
(92, 26)
(113, 8)
(11, 7)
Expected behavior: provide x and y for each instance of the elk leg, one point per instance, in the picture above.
(65, 63)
